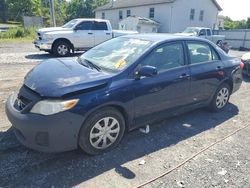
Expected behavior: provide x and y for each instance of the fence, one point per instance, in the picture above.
(238, 38)
(32, 21)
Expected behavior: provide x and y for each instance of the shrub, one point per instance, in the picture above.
(18, 32)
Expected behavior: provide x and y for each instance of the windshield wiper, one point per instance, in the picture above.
(93, 65)
(88, 64)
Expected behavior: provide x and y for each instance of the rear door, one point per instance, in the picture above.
(169, 89)
(101, 32)
(84, 35)
(206, 70)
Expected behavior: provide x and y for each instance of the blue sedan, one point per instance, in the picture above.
(117, 86)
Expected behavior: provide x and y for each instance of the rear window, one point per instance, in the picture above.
(100, 26)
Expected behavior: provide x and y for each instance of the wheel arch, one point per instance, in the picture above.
(65, 40)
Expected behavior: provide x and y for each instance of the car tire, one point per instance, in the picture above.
(102, 131)
(61, 49)
(221, 98)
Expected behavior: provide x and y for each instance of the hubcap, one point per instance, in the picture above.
(222, 98)
(104, 133)
(62, 49)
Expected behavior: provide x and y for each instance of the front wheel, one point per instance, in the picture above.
(61, 49)
(220, 98)
(102, 131)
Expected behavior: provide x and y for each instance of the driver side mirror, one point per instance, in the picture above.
(146, 71)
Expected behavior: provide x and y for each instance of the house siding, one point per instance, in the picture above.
(173, 17)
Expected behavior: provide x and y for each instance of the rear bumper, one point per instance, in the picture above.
(54, 133)
(42, 45)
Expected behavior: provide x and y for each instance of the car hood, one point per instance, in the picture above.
(58, 77)
(52, 29)
(186, 34)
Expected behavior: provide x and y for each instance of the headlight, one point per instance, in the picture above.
(49, 107)
(47, 37)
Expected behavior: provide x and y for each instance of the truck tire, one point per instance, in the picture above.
(61, 49)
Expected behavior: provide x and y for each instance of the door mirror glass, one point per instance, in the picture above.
(147, 71)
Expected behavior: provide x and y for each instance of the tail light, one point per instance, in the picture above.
(242, 65)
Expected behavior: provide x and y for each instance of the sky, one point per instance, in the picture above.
(235, 9)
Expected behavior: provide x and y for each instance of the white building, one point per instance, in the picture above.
(140, 24)
(173, 15)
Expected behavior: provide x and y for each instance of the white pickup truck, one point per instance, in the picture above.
(207, 33)
(203, 32)
(77, 34)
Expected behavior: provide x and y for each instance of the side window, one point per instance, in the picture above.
(86, 25)
(202, 32)
(165, 57)
(100, 26)
(209, 32)
(199, 52)
(215, 55)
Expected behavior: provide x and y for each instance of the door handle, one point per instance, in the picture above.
(219, 68)
(90, 33)
(107, 33)
(184, 75)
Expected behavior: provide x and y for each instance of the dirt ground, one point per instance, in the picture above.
(196, 149)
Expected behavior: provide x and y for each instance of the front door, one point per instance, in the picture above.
(101, 32)
(168, 89)
(84, 37)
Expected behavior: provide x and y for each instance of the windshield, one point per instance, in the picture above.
(191, 30)
(70, 24)
(116, 54)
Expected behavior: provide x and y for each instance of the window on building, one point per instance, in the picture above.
(120, 15)
(128, 13)
(192, 14)
(103, 15)
(151, 12)
(201, 15)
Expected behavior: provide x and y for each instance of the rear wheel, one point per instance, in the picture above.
(61, 49)
(102, 131)
(220, 98)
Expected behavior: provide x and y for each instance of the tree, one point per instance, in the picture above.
(3, 9)
(83, 8)
(230, 24)
(248, 23)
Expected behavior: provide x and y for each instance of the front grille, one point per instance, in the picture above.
(21, 102)
(26, 99)
(39, 36)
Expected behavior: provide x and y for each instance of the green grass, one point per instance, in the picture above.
(18, 34)
(26, 39)
(11, 24)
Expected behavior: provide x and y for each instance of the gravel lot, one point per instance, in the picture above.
(196, 149)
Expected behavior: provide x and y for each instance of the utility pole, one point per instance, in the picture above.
(52, 13)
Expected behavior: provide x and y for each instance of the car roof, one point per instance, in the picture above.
(90, 19)
(157, 37)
